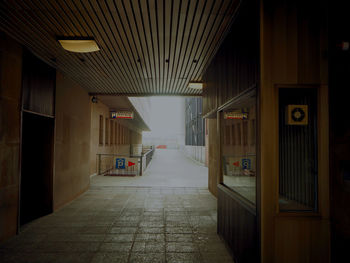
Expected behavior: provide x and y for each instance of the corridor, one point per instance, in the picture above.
(118, 220)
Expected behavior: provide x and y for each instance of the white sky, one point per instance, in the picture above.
(167, 116)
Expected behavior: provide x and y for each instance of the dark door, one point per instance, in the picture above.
(37, 167)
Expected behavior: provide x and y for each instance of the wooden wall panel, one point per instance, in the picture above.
(235, 68)
(237, 223)
(39, 82)
(10, 126)
(213, 162)
(305, 240)
(289, 32)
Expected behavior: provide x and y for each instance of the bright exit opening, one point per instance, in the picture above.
(170, 152)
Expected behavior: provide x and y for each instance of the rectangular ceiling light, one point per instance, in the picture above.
(82, 45)
(195, 85)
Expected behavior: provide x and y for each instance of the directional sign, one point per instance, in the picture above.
(236, 164)
(120, 163)
(246, 164)
(235, 115)
(122, 114)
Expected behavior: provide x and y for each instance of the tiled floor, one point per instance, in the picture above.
(128, 220)
(124, 224)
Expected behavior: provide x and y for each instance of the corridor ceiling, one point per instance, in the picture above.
(147, 47)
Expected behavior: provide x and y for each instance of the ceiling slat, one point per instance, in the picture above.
(142, 42)
(131, 30)
(109, 52)
(210, 16)
(105, 61)
(143, 7)
(152, 15)
(98, 61)
(43, 44)
(146, 46)
(182, 37)
(196, 19)
(217, 37)
(114, 41)
(118, 17)
(161, 36)
(71, 29)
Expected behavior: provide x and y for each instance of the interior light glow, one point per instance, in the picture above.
(79, 45)
(195, 85)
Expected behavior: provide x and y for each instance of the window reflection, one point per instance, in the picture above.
(239, 149)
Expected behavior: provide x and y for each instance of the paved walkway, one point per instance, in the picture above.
(112, 223)
(169, 168)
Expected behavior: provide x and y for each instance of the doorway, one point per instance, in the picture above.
(36, 167)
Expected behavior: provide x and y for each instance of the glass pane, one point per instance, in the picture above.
(297, 149)
(238, 133)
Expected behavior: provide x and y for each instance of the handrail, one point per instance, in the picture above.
(106, 162)
(149, 151)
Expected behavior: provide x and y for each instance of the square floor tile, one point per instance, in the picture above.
(119, 238)
(184, 258)
(151, 230)
(181, 247)
(123, 230)
(150, 237)
(116, 246)
(114, 257)
(147, 257)
(179, 237)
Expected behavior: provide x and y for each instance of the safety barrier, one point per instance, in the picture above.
(124, 165)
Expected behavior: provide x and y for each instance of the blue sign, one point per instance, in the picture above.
(246, 164)
(120, 163)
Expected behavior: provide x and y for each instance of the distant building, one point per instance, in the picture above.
(195, 130)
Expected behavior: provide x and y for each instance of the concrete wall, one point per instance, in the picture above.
(10, 94)
(72, 141)
(136, 143)
(143, 107)
(72, 152)
(97, 109)
(72, 137)
(136, 137)
(128, 137)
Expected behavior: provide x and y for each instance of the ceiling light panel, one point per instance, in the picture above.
(79, 45)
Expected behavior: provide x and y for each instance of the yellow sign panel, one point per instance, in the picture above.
(297, 115)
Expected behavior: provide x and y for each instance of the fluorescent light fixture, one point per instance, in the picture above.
(195, 85)
(80, 45)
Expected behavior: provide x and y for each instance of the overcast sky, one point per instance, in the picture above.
(166, 116)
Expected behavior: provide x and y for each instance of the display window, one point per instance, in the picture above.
(238, 147)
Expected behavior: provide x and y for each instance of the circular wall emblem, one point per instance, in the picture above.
(298, 114)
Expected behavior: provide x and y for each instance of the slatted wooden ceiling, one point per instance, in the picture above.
(147, 46)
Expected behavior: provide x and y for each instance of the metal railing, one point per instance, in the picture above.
(123, 165)
(148, 154)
